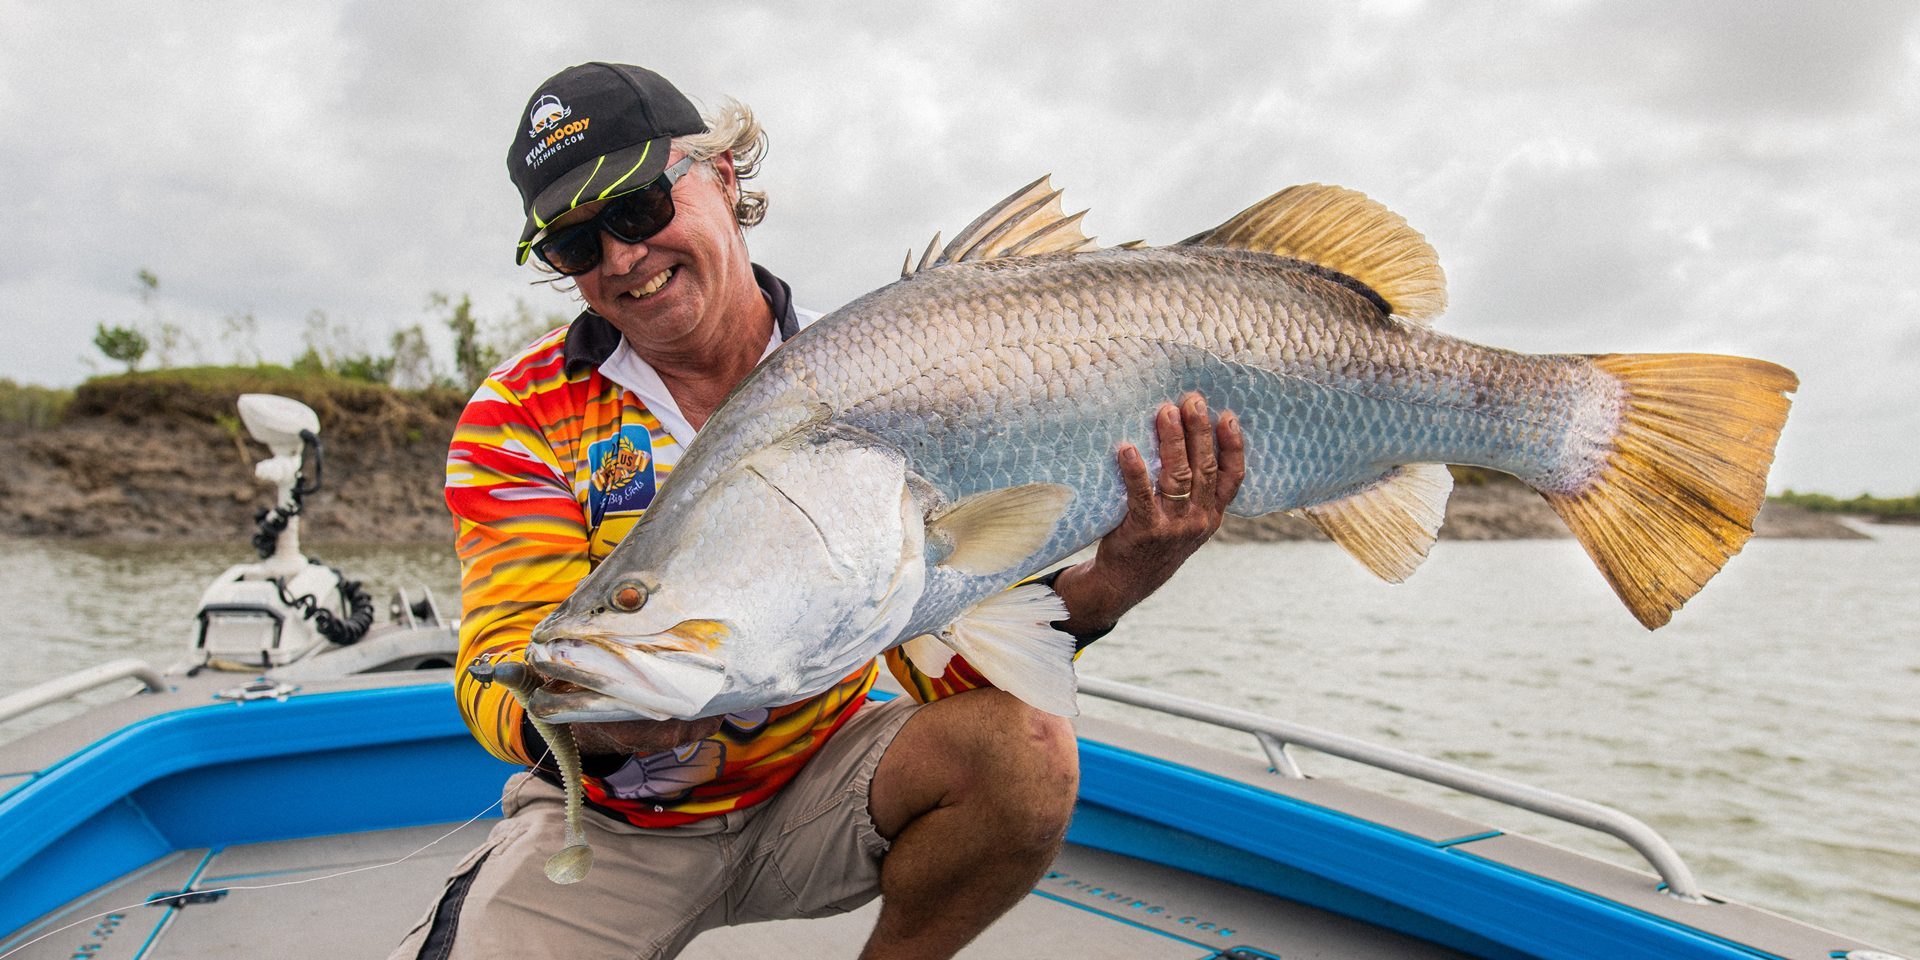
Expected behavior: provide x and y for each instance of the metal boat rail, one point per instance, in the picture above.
(80, 681)
(1275, 735)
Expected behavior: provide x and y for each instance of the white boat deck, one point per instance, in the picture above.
(1091, 904)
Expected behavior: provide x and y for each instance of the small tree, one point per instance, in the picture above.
(513, 334)
(124, 344)
(365, 367)
(412, 359)
(472, 358)
(167, 339)
(170, 341)
(241, 333)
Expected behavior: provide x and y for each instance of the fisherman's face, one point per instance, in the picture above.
(692, 261)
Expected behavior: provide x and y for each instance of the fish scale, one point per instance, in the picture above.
(948, 387)
(1327, 370)
(917, 452)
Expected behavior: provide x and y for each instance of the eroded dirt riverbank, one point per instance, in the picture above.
(144, 460)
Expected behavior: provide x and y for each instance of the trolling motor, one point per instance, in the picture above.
(286, 606)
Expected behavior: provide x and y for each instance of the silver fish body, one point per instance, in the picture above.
(992, 374)
(832, 467)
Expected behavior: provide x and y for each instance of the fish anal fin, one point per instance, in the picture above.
(1009, 639)
(1029, 222)
(1347, 232)
(992, 532)
(1675, 497)
(1390, 525)
(927, 654)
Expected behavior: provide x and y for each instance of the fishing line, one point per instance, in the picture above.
(266, 886)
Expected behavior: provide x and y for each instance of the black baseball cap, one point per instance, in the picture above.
(590, 132)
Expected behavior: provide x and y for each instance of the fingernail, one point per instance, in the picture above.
(1202, 405)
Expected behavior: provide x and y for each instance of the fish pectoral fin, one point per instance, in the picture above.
(992, 532)
(927, 654)
(1009, 639)
(1346, 231)
(1390, 525)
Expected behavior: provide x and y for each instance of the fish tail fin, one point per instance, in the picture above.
(1676, 495)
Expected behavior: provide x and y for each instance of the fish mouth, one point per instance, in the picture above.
(666, 676)
(562, 702)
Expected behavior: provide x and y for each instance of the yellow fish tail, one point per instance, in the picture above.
(1676, 497)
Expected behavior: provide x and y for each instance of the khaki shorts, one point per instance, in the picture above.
(810, 851)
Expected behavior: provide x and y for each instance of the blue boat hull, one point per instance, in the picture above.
(343, 762)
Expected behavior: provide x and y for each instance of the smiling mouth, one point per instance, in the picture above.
(653, 286)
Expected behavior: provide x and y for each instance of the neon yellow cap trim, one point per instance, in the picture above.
(583, 184)
(630, 171)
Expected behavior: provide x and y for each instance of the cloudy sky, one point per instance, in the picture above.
(1724, 176)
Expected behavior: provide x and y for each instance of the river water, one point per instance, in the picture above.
(1771, 732)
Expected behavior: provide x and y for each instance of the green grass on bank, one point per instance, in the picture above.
(31, 407)
(1893, 508)
(1885, 507)
(346, 407)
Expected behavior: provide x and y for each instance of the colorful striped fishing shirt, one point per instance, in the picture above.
(554, 460)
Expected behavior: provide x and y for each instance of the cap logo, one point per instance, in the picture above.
(549, 134)
(588, 131)
(547, 112)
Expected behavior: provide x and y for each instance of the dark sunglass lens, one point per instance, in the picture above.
(639, 214)
(573, 250)
(631, 219)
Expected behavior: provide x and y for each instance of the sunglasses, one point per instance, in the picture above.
(629, 218)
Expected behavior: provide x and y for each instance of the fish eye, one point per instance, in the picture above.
(628, 596)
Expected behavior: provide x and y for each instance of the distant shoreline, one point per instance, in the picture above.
(1498, 507)
(152, 458)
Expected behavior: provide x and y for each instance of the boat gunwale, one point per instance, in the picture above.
(1122, 804)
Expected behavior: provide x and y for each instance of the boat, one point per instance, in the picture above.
(285, 792)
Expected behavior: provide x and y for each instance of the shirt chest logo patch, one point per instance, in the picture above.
(623, 478)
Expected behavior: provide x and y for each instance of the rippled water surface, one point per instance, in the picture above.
(69, 607)
(1771, 732)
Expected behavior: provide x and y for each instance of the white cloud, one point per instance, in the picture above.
(1596, 176)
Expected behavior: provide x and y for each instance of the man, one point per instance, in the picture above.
(948, 804)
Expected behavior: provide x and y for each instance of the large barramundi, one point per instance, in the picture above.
(888, 474)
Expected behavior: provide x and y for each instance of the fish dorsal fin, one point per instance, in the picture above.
(1390, 525)
(1029, 222)
(992, 532)
(1010, 640)
(1345, 231)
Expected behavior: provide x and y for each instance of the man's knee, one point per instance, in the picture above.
(1016, 768)
(1026, 764)
(1055, 777)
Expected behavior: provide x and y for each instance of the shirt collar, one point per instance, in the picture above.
(591, 339)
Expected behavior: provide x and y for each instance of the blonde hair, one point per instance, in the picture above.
(731, 128)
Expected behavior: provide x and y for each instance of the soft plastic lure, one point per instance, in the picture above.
(571, 864)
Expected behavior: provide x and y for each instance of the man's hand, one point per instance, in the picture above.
(1201, 466)
(641, 737)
